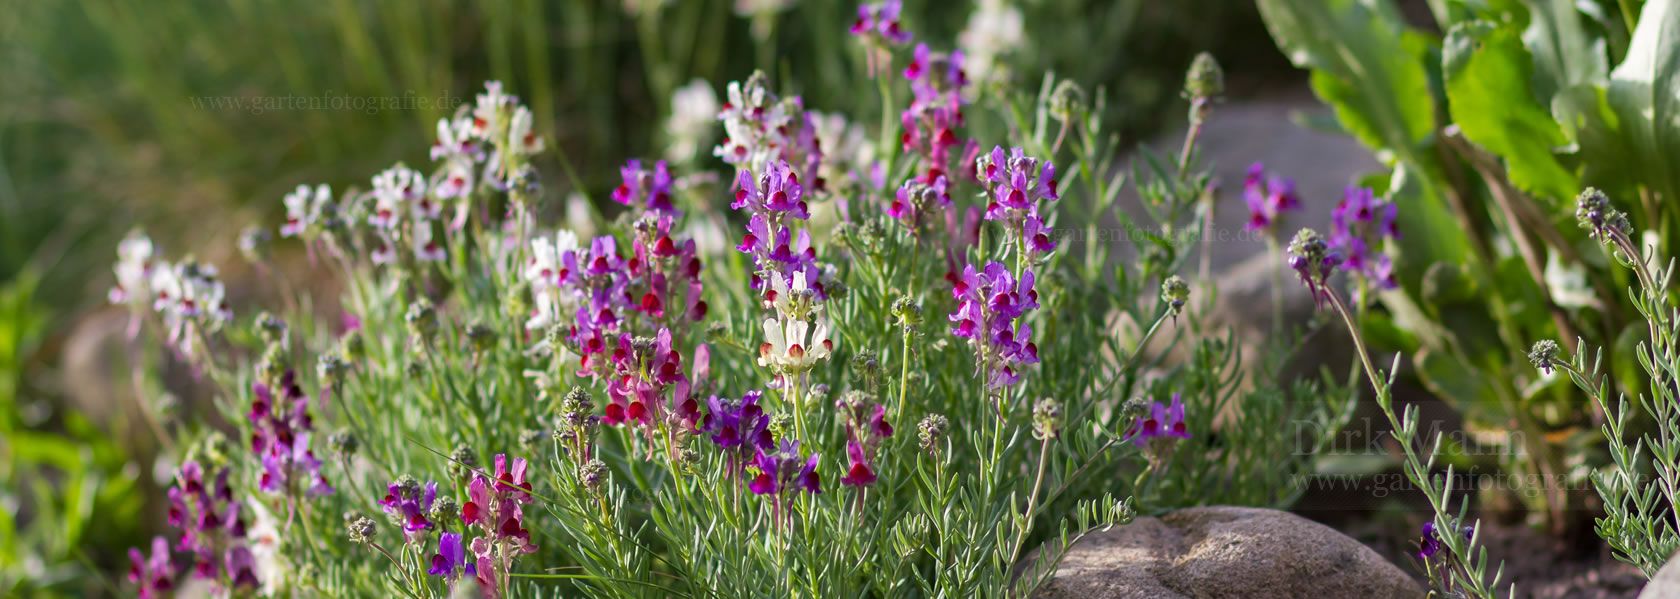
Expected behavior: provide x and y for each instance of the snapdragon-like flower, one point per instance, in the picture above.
(1016, 186)
(410, 503)
(739, 428)
(990, 310)
(1431, 547)
(499, 121)
(1162, 422)
(756, 125)
(451, 558)
(1314, 261)
(494, 507)
(648, 190)
(866, 429)
(784, 471)
(280, 433)
(191, 299)
(665, 284)
(153, 575)
(1359, 225)
(914, 198)
(134, 269)
(797, 337)
(694, 110)
(775, 202)
(878, 22)
(212, 528)
(304, 207)
(935, 113)
(1267, 197)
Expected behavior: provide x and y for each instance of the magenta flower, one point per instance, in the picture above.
(775, 202)
(1267, 197)
(861, 473)
(990, 302)
(649, 191)
(1163, 422)
(1017, 186)
(280, 432)
(410, 503)
(1358, 225)
(153, 575)
(741, 426)
(451, 557)
(210, 522)
(784, 471)
(880, 22)
(494, 507)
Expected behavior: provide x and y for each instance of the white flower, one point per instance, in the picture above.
(542, 271)
(426, 247)
(694, 109)
(793, 346)
(392, 189)
(302, 207)
(845, 145)
(454, 180)
(487, 112)
(454, 141)
(520, 135)
(133, 269)
(263, 539)
(994, 28)
(755, 125)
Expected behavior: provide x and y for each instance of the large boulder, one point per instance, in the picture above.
(1666, 584)
(1210, 552)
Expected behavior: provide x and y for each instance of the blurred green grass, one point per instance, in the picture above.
(114, 114)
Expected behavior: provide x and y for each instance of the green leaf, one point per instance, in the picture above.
(1629, 132)
(1363, 67)
(1487, 73)
(1565, 54)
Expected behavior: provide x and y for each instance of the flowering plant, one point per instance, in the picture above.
(675, 420)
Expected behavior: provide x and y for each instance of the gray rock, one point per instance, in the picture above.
(1666, 584)
(1211, 552)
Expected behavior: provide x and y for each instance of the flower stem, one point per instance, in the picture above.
(1032, 500)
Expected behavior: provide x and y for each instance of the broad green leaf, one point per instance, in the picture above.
(1429, 232)
(1565, 54)
(1487, 81)
(1629, 131)
(1362, 67)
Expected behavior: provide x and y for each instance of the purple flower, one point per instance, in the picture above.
(1267, 197)
(647, 190)
(1358, 225)
(861, 473)
(209, 520)
(1431, 545)
(1314, 261)
(1017, 186)
(775, 202)
(450, 558)
(1162, 422)
(990, 301)
(784, 471)
(280, 433)
(493, 506)
(241, 567)
(410, 503)
(740, 427)
(154, 575)
(880, 22)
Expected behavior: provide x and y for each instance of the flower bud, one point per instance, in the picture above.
(331, 369)
(1047, 419)
(362, 530)
(1601, 219)
(907, 311)
(270, 328)
(445, 509)
(1544, 356)
(422, 321)
(462, 461)
(931, 432)
(1067, 102)
(481, 337)
(1175, 292)
(592, 474)
(1205, 79)
(343, 444)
